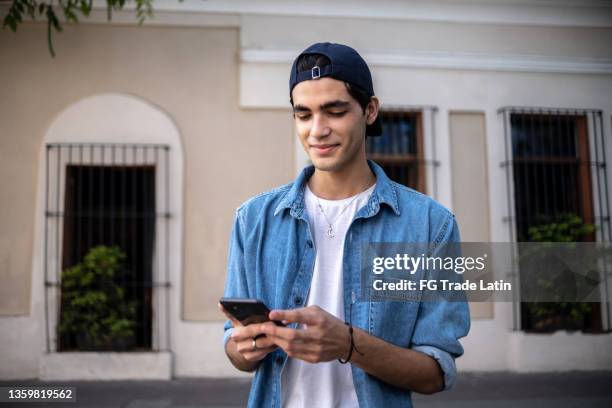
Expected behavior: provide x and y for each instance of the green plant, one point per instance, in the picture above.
(49, 9)
(549, 316)
(94, 307)
(567, 228)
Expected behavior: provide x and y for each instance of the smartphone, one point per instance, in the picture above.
(248, 311)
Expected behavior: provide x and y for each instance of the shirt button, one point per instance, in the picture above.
(309, 243)
(297, 300)
(279, 360)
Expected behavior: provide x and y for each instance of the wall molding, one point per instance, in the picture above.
(583, 13)
(452, 60)
(223, 13)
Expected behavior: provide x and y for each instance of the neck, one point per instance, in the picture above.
(336, 185)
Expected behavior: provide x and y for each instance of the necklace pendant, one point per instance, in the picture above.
(330, 232)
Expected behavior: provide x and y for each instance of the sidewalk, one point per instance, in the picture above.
(473, 390)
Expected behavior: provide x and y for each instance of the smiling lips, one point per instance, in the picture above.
(324, 149)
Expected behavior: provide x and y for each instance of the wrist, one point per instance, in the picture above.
(345, 350)
(359, 344)
(352, 347)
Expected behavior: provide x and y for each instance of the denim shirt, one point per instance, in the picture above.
(271, 257)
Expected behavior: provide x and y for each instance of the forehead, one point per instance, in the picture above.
(316, 92)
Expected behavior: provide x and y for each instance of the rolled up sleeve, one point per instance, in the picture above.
(445, 361)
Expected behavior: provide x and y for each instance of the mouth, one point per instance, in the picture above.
(324, 149)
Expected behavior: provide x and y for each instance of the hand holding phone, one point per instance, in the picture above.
(248, 345)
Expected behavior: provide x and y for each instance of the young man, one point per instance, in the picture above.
(297, 248)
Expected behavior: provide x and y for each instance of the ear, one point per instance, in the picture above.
(372, 110)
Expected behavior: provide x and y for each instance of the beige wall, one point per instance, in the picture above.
(374, 34)
(469, 172)
(190, 73)
(470, 184)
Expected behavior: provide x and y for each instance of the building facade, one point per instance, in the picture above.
(162, 130)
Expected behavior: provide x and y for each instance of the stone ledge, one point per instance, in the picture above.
(106, 366)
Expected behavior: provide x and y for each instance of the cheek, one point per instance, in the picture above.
(354, 134)
(302, 130)
(351, 127)
(302, 134)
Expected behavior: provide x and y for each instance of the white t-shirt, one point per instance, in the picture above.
(328, 384)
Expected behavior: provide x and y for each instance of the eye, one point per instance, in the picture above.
(303, 116)
(337, 114)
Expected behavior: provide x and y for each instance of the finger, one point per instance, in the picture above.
(301, 315)
(246, 346)
(264, 342)
(292, 348)
(284, 333)
(258, 355)
(249, 332)
(241, 333)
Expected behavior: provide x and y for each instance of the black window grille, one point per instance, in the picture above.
(400, 150)
(555, 161)
(100, 197)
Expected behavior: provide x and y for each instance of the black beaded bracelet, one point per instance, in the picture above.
(350, 354)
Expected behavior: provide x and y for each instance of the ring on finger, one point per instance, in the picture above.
(254, 344)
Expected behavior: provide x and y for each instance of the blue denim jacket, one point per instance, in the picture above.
(271, 257)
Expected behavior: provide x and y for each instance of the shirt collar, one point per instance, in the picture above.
(384, 193)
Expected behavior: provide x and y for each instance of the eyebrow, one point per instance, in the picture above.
(328, 105)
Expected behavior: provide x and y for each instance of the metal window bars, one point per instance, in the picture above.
(406, 149)
(111, 195)
(555, 165)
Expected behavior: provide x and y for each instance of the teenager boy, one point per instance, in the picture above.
(297, 248)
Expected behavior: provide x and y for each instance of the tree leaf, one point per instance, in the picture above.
(144, 10)
(10, 21)
(70, 15)
(85, 7)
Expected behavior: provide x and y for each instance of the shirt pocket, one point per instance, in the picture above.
(393, 321)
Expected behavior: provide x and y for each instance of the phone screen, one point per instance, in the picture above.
(247, 311)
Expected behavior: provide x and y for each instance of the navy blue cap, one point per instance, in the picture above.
(345, 65)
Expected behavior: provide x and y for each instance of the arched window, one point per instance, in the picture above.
(112, 177)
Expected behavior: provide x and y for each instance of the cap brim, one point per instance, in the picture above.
(375, 129)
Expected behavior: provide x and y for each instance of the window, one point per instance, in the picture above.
(104, 196)
(556, 173)
(400, 150)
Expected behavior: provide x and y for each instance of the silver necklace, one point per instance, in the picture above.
(330, 228)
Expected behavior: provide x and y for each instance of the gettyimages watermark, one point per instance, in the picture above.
(484, 272)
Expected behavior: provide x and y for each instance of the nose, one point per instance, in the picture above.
(320, 127)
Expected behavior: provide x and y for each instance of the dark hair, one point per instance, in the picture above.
(308, 61)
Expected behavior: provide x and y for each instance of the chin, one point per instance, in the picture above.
(327, 164)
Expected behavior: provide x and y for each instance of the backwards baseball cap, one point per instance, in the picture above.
(345, 65)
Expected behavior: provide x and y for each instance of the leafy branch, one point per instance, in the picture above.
(71, 9)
